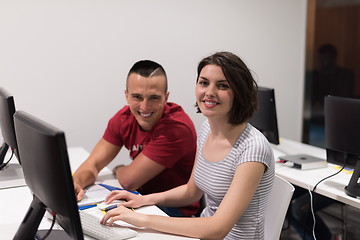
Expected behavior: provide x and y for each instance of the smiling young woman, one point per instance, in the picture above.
(234, 164)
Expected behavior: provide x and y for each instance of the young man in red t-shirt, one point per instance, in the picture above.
(159, 135)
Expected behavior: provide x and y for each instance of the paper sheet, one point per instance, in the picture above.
(93, 194)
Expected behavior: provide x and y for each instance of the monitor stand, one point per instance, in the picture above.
(353, 188)
(55, 234)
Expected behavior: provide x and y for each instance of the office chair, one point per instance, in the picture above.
(277, 207)
(202, 206)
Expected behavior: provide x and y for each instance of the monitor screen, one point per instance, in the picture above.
(265, 118)
(47, 173)
(7, 110)
(342, 136)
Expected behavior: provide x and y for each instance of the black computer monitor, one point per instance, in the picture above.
(342, 137)
(265, 118)
(46, 168)
(7, 110)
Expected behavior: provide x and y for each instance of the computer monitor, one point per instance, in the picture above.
(46, 168)
(7, 110)
(342, 137)
(265, 118)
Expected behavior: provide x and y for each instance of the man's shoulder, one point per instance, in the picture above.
(123, 112)
(124, 116)
(174, 113)
(174, 110)
(173, 107)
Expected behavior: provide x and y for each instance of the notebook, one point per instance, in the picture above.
(93, 194)
(304, 161)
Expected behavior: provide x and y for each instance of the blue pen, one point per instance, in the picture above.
(110, 207)
(111, 188)
(86, 206)
(115, 206)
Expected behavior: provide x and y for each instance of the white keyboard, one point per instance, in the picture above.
(91, 226)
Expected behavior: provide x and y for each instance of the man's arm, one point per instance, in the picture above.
(103, 153)
(140, 171)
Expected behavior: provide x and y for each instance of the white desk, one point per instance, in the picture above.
(14, 203)
(332, 187)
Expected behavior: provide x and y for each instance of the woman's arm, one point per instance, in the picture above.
(234, 204)
(177, 197)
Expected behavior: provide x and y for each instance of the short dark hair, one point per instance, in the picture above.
(328, 49)
(241, 82)
(148, 68)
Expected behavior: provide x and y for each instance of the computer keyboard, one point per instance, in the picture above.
(91, 226)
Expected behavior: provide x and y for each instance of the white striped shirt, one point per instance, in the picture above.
(214, 178)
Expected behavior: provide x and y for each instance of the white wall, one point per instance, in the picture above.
(66, 61)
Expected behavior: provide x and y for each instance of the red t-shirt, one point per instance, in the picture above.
(171, 143)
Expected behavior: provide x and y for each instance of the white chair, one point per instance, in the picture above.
(277, 207)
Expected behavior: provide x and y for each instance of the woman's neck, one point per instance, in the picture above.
(221, 129)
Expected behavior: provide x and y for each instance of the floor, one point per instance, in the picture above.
(332, 216)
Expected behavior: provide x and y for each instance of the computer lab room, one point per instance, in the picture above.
(63, 76)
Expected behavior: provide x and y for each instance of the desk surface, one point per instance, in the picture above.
(332, 187)
(14, 203)
(12, 175)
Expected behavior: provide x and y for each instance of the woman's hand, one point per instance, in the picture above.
(121, 213)
(132, 200)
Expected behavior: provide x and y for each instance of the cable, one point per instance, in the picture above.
(3, 165)
(37, 237)
(346, 160)
(312, 213)
(311, 197)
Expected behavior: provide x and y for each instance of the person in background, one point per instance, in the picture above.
(328, 79)
(234, 165)
(160, 137)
